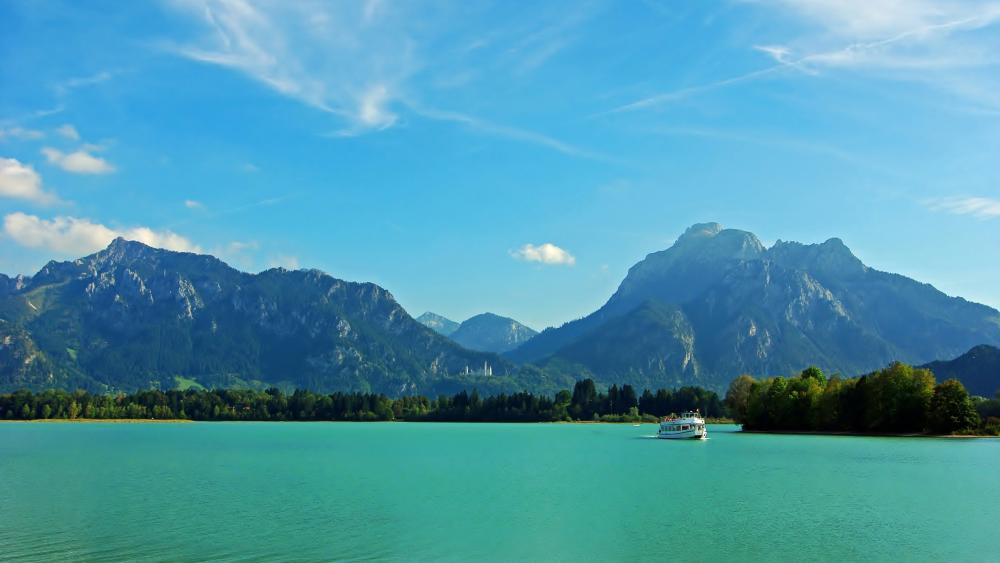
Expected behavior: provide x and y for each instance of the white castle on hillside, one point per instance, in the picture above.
(487, 370)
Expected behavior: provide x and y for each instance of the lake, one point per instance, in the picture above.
(459, 492)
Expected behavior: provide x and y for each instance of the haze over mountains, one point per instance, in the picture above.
(714, 305)
(485, 332)
(492, 333)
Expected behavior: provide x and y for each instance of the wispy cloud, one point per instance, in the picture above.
(780, 142)
(66, 86)
(546, 253)
(20, 181)
(342, 58)
(483, 126)
(76, 236)
(913, 40)
(78, 162)
(68, 132)
(21, 134)
(358, 62)
(682, 93)
(979, 207)
(31, 116)
(211, 213)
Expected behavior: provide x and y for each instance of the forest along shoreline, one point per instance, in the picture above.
(584, 403)
(897, 401)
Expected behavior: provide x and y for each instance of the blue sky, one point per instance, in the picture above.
(506, 157)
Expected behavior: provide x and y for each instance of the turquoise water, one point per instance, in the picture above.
(394, 491)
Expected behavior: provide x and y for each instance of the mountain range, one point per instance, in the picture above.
(715, 304)
(132, 317)
(719, 303)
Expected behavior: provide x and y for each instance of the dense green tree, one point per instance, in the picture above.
(951, 409)
(813, 372)
(583, 403)
(738, 397)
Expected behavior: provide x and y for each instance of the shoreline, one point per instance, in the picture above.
(103, 420)
(713, 422)
(187, 420)
(864, 434)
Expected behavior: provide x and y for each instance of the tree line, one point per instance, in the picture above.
(584, 402)
(898, 399)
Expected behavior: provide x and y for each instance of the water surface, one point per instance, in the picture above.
(395, 491)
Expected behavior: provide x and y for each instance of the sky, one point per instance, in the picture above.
(508, 157)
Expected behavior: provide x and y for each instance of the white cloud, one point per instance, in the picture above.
(21, 133)
(20, 181)
(75, 236)
(78, 162)
(283, 261)
(69, 132)
(192, 204)
(980, 207)
(546, 253)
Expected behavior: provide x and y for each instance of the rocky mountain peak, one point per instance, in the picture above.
(121, 251)
(711, 241)
(702, 230)
(698, 259)
(829, 261)
(437, 323)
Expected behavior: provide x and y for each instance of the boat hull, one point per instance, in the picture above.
(683, 435)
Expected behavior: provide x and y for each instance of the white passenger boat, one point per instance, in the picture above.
(687, 426)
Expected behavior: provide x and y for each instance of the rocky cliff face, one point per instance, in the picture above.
(10, 285)
(131, 317)
(492, 333)
(768, 311)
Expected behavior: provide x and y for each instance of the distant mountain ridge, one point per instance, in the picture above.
(441, 325)
(978, 369)
(133, 317)
(719, 303)
(488, 332)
